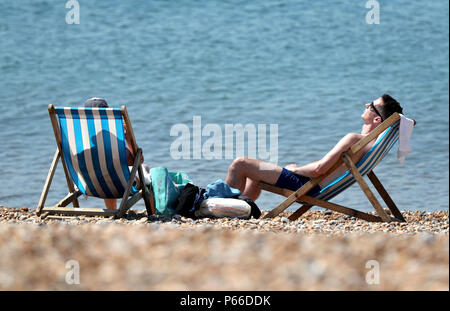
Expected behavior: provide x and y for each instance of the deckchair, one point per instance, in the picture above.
(389, 130)
(92, 147)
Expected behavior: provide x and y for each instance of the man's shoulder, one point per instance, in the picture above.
(354, 136)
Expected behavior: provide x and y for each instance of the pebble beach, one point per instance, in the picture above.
(320, 251)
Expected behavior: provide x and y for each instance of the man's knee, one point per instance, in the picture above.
(238, 164)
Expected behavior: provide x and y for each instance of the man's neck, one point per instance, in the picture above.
(367, 128)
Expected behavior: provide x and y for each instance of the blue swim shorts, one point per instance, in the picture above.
(292, 181)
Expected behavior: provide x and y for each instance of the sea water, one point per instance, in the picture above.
(307, 67)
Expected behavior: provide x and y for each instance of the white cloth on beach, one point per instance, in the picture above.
(405, 132)
(147, 176)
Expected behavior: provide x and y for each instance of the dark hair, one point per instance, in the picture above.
(390, 106)
(96, 102)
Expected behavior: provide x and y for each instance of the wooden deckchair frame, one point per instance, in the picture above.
(72, 197)
(346, 157)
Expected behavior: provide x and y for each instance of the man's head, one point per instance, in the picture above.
(381, 109)
(389, 106)
(96, 102)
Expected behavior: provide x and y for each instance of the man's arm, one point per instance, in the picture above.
(130, 155)
(320, 167)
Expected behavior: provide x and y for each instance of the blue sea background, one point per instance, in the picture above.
(308, 66)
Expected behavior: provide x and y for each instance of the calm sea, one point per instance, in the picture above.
(308, 66)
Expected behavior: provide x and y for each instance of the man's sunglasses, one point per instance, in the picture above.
(376, 111)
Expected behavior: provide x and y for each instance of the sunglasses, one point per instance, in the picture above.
(376, 111)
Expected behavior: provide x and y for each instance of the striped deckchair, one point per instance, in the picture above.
(387, 133)
(92, 146)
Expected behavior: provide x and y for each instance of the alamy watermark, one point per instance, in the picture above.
(373, 275)
(73, 15)
(73, 275)
(220, 142)
(373, 16)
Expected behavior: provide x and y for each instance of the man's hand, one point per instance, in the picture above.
(130, 158)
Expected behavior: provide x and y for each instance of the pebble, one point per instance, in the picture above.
(177, 217)
(142, 220)
(312, 222)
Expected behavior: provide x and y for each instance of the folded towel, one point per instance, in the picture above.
(220, 189)
(405, 131)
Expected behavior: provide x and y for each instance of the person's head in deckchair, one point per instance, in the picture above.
(96, 102)
(380, 109)
(245, 173)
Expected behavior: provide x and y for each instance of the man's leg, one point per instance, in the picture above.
(245, 173)
(111, 203)
(252, 190)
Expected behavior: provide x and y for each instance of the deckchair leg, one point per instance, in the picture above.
(123, 205)
(284, 192)
(365, 188)
(293, 197)
(343, 210)
(309, 202)
(145, 192)
(70, 211)
(48, 182)
(133, 200)
(385, 196)
(68, 199)
(298, 213)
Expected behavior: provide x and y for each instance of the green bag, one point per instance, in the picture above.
(166, 189)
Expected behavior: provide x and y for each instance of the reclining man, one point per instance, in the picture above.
(245, 173)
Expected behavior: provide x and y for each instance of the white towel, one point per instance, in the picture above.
(147, 176)
(406, 128)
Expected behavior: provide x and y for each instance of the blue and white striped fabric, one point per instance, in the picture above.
(381, 147)
(94, 149)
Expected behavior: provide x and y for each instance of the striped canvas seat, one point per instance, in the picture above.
(94, 150)
(378, 151)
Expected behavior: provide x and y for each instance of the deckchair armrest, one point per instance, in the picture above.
(374, 134)
(130, 132)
